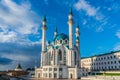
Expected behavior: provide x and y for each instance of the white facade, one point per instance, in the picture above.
(60, 59)
(104, 62)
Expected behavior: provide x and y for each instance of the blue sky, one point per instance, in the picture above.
(20, 27)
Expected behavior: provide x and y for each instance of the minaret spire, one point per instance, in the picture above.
(56, 32)
(71, 11)
(71, 52)
(77, 36)
(78, 44)
(44, 28)
(70, 24)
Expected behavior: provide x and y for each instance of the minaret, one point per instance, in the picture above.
(71, 52)
(56, 32)
(70, 23)
(77, 36)
(78, 45)
(44, 28)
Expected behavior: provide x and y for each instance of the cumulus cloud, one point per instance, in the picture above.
(92, 13)
(89, 9)
(8, 37)
(17, 20)
(83, 5)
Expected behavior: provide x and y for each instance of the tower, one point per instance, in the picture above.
(71, 52)
(78, 43)
(70, 24)
(56, 32)
(44, 28)
(77, 36)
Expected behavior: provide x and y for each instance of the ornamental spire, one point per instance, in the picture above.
(44, 26)
(77, 35)
(70, 24)
(56, 32)
(71, 11)
(77, 25)
(44, 19)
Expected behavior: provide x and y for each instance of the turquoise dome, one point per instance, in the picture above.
(61, 36)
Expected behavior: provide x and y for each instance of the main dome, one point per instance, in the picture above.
(61, 36)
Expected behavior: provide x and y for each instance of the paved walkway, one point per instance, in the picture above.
(88, 78)
(102, 78)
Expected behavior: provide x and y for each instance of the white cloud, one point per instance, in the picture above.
(89, 9)
(17, 57)
(17, 20)
(8, 37)
(83, 5)
(99, 29)
(118, 34)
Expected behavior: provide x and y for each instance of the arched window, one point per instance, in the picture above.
(60, 41)
(75, 58)
(66, 41)
(64, 57)
(60, 55)
(51, 56)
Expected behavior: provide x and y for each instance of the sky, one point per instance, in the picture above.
(20, 27)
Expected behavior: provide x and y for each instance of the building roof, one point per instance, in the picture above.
(61, 36)
(112, 52)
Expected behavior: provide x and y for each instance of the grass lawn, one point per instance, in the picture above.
(112, 74)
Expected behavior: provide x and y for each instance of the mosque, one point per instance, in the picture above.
(61, 58)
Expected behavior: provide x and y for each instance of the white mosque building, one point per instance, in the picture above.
(61, 58)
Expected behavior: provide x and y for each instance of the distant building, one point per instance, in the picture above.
(61, 58)
(103, 62)
(18, 68)
(17, 72)
(2, 72)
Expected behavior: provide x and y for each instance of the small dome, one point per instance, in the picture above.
(61, 36)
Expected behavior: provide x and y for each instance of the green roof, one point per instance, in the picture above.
(61, 36)
(57, 47)
(112, 52)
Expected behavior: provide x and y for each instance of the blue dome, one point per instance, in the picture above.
(61, 36)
